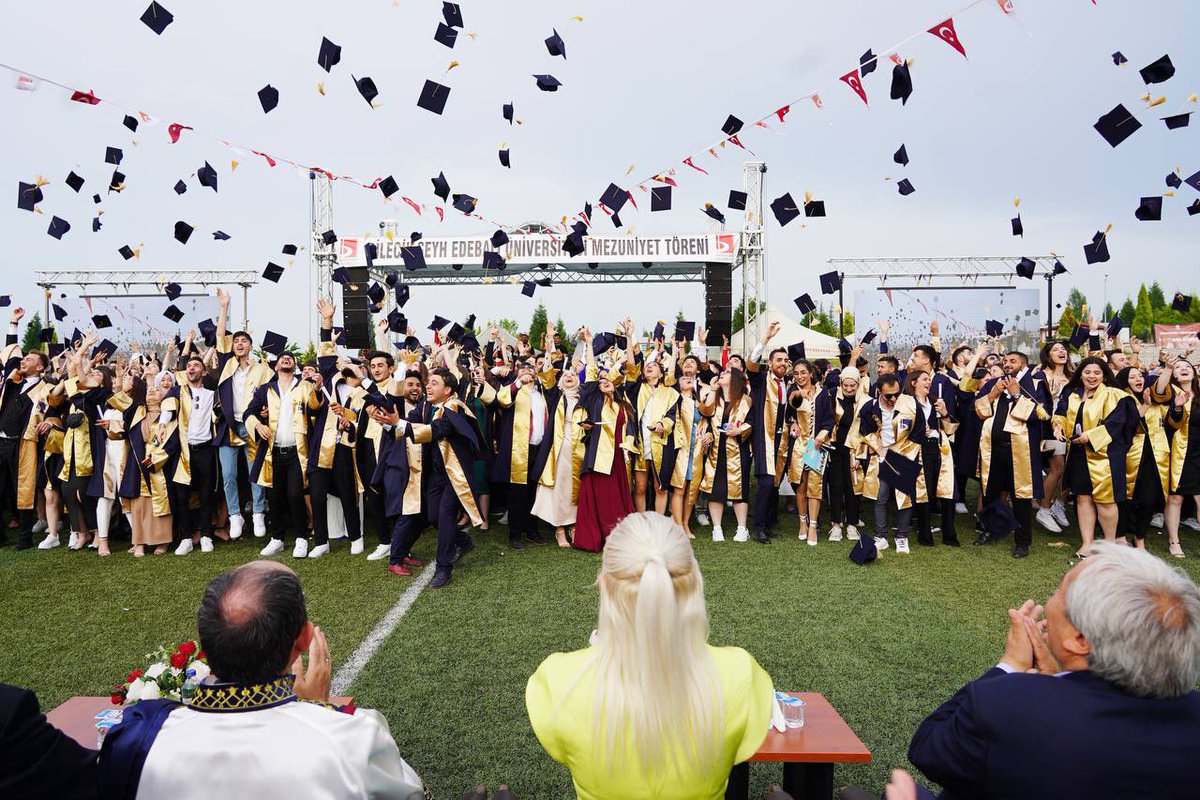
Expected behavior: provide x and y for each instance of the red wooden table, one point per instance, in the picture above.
(808, 754)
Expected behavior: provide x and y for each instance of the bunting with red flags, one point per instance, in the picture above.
(854, 81)
(945, 31)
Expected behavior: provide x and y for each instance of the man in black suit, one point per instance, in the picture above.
(39, 760)
(1095, 701)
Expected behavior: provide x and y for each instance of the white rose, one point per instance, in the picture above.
(155, 670)
(135, 691)
(150, 691)
(201, 669)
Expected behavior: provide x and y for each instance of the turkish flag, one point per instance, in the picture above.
(270, 160)
(1006, 6)
(817, 101)
(688, 161)
(782, 112)
(175, 129)
(945, 31)
(667, 180)
(411, 204)
(854, 81)
(441, 213)
(630, 194)
(738, 142)
(89, 97)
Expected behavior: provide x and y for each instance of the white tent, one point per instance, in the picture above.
(816, 344)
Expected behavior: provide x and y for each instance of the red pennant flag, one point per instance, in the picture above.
(175, 129)
(688, 161)
(88, 98)
(854, 81)
(270, 160)
(411, 204)
(630, 194)
(945, 31)
(372, 185)
(666, 180)
(782, 112)
(441, 214)
(1007, 6)
(817, 101)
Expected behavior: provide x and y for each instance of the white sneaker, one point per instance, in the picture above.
(206, 544)
(185, 547)
(852, 533)
(1047, 520)
(318, 551)
(741, 535)
(260, 525)
(274, 547)
(73, 541)
(49, 543)
(901, 544)
(835, 533)
(40, 526)
(961, 508)
(702, 519)
(1060, 514)
(718, 534)
(356, 547)
(504, 518)
(379, 553)
(301, 548)
(236, 524)
(1156, 521)
(1191, 522)
(881, 543)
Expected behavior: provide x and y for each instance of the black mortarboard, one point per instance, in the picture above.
(1149, 210)
(376, 293)
(1117, 125)
(452, 14)
(504, 160)
(1097, 250)
(601, 342)
(499, 239)
(456, 333)
(274, 343)
(74, 181)
(101, 321)
(207, 176)
(441, 187)
(547, 83)
(685, 329)
(1194, 208)
(714, 212)
(113, 155)
(614, 198)
(117, 182)
(403, 292)
(493, 260)
(396, 321)
(1173, 180)
(1178, 120)
(1157, 72)
(573, 244)
(805, 303)
(289, 249)
(868, 337)
(55, 349)
(388, 186)
(130, 122)
(172, 291)
(555, 45)
(814, 208)
(183, 232)
(901, 472)
(28, 196)
(96, 199)
(796, 351)
(580, 227)
(1094, 342)
(59, 312)
(1115, 324)
(329, 237)
(464, 203)
(445, 35)
(173, 313)
(732, 125)
(844, 345)
(528, 288)
(433, 97)
(660, 331)
(366, 87)
(341, 275)
(414, 257)
(737, 200)
(507, 111)
(994, 327)
(1058, 268)
(106, 346)
(157, 18)
(615, 219)
(1119, 58)
(76, 337)
(785, 209)
(95, 224)
(180, 187)
(268, 96)
(1026, 267)
(370, 250)
(905, 187)
(273, 272)
(126, 252)
(901, 156)
(830, 282)
(1193, 181)
(1182, 303)
(660, 198)
(1017, 228)
(221, 236)
(864, 550)
(45, 335)
(438, 323)
(330, 54)
(902, 86)
(866, 63)
(58, 227)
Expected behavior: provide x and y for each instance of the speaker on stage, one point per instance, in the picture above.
(355, 315)
(718, 301)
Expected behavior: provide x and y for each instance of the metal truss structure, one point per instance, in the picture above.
(751, 256)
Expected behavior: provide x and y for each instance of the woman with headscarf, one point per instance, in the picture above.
(1148, 462)
(726, 404)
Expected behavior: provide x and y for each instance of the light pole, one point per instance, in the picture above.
(1105, 294)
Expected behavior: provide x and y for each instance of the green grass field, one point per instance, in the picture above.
(886, 643)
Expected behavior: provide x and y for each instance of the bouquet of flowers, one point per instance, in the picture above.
(173, 672)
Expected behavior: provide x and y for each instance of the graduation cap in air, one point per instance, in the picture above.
(1096, 252)
(376, 294)
(126, 252)
(101, 321)
(868, 337)
(370, 250)
(732, 125)
(844, 345)
(388, 186)
(614, 198)
(273, 272)
(504, 160)
(660, 198)
(45, 335)
(573, 244)
(456, 333)
(274, 343)
(96, 199)
(180, 187)
(902, 86)
(901, 156)
(867, 62)
(1178, 120)
(96, 224)
(1119, 58)
(1017, 228)
(289, 249)
(547, 83)
(329, 55)
(59, 312)
(555, 44)
(433, 97)
(58, 227)
(1194, 208)
(268, 96)
(499, 239)
(507, 112)
(601, 342)
(113, 155)
(660, 331)
(75, 182)
(172, 291)
(397, 321)
(1182, 303)
(367, 88)
(392, 278)
(438, 323)
(785, 209)
(814, 208)
(173, 313)
(1079, 336)
(157, 18)
(107, 347)
(737, 200)
(414, 257)
(1158, 71)
(1058, 268)
(441, 187)
(1149, 209)
(805, 303)
(493, 260)
(830, 282)
(1117, 125)
(685, 329)
(994, 327)
(183, 232)
(615, 219)
(117, 182)
(1026, 267)
(901, 472)
(1193, 181)
(464, 203)
(130, 122)
(341, 275)
(28, 196)
(796, 351)
(403, 293)
(714, 212)
(1115, 324)
(452, 14)
(905, 187)
(329, 237)
(528, 288)
(864, 550)
(1173, 180)
(445, 35)
(207, 176)
(221, 236)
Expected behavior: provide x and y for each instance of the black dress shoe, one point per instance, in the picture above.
(478, 793)
(461, 550)
(23, 544)
(951, 541)
(982, 539)
(762, 537)
(535, 538)
(1020, 551)
(515, 543)
(440, 579)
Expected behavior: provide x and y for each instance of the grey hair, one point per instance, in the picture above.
(1141, 618)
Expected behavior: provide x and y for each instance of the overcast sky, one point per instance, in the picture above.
(643, 84)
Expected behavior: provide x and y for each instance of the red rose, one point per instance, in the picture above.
(200, 656)
(187, 648)
(133, 676)
(117, 698)
(179, 660)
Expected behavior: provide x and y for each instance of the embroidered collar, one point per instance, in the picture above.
(227, 697)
